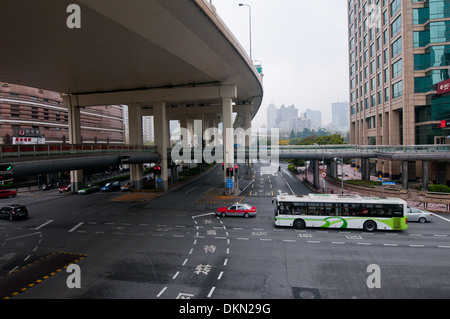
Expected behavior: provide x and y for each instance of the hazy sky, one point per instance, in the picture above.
(303, 47)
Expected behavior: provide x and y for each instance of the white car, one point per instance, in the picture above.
(418, 215)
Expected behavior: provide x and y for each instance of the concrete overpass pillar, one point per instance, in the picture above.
(425, 175)
(162, 139)
(248, 127)
(228, 136)
(332, 169)
(365, 169)
(404, 174)
(135, 138)
(76, 177)
(315, 168)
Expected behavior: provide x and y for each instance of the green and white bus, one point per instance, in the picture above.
(340, 211)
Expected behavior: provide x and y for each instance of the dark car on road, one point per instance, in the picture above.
(111, 186)
(13, 212)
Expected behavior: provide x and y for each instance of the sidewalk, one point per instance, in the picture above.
(350, 173)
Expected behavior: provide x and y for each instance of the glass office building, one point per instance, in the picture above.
(399, 50)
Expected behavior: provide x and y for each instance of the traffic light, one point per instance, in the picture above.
(231, 172)
(228, 172)
(223, 166)
(6, 167)
(157, 170)
(236, 169)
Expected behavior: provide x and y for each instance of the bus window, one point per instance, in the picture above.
(313, 209)
(299, 209)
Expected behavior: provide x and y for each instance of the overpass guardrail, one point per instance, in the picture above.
(21, 151)
(18, 151)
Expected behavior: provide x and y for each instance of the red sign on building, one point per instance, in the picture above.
(443, 87)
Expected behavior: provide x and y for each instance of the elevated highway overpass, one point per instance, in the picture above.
(36, 159)
(156, 56)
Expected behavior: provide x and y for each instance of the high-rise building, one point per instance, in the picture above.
(399, 50)
(271, 116)
(340, 120)
(315, 117)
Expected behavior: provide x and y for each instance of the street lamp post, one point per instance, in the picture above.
(250, 25)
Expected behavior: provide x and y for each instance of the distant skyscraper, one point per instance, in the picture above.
(340, 116)
(315, 117)
(271, 116)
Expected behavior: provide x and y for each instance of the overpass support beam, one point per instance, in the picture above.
(227, 93)
(228, 136)
(315, 167)
(135, 138)
(248, 126)
(162, 139)
(425, 174)
(365, 169)
(404, 174)
(76, 177)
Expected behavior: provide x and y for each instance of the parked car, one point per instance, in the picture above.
(65, 189)
(111, 186)
(237, 210)
(7, 193)
(89, 189)
(127, 187)
(13, 212)
(418, 215)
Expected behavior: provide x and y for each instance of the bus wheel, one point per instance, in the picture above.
(370, 226)
(299, 224)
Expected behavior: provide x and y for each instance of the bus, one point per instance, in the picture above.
(340, 211)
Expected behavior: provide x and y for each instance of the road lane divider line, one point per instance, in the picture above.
(44, 224)
(75, 227)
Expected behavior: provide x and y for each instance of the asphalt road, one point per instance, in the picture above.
(174, 247)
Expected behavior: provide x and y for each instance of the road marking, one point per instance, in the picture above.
(443, 246)
(290, 188)
(185, 262)
(416, 245)
(75, 227)
(161, 292)
(338, 242)
(392, 245)
(175, 276)
(313, 241)
(211, 292)
(44, 224)
(220, 275)
(8, 239)
(190, 190)
(446, 219)
(207, 214)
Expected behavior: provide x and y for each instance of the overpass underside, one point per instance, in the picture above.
(170, 59)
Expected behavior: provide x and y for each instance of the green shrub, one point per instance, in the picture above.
(438, 188)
